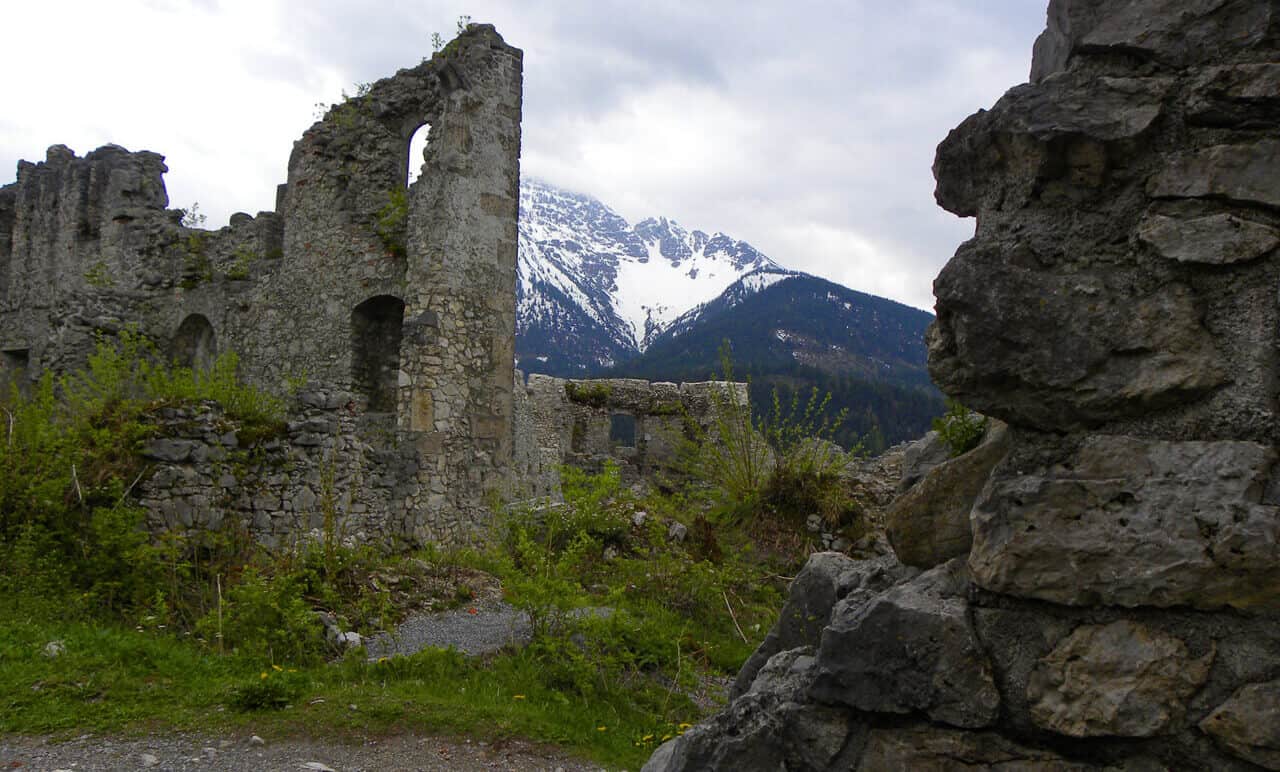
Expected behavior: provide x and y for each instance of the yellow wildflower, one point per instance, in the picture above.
(277, 668)
(264, 675)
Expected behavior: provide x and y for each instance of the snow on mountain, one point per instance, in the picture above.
(595, 290)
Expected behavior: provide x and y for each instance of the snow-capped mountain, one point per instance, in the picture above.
(595, 290)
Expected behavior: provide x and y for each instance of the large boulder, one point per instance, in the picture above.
(929, 524)
(826, 579)
(770, 727)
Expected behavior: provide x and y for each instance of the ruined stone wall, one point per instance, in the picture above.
(402, 296)
(584, 423)
(321, 477)
(1107, 594)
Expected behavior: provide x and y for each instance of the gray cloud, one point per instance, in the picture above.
(806, 128)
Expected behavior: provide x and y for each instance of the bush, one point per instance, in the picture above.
(784, 464)
(69, 460)
(960, 428)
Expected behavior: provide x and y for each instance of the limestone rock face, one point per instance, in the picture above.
(929, 524)
(769, 728)
(1117, 679)
(826, 579)
(1249, 724)
(1131, 522)
(935, 749)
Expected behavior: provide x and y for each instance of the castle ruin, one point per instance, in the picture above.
(388, 306)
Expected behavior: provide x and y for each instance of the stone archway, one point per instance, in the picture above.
(194, 344)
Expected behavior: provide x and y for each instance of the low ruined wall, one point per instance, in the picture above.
(330, 469)
(637, 424)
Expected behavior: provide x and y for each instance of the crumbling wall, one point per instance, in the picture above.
(317, 478)
(1116, 606)
(584, 423)
(402, 296)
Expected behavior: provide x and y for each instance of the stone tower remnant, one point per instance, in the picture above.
(395, 305)
(1118, 607)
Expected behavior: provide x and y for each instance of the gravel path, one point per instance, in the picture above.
(240, 754)
(473, 630)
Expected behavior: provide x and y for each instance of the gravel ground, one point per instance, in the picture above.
(241, 754)
(472, 630)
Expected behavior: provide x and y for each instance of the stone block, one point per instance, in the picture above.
(1218, 239)
(909, 649)
(929, 524)
(1248, 724)
(1121, 679)
(1129, 522)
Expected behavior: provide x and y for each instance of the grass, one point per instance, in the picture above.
(207, 631)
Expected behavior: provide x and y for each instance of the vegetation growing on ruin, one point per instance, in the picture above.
(391, 221)
(775, 468)
(591, 394)
(196, 265)
(633, 628)
(960, 428)
(242, 260)
(99, 275)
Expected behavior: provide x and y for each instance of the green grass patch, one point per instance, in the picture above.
(105, 627)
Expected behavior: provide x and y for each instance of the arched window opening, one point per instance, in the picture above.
(375, 351)
(194, 344)
(417, 149)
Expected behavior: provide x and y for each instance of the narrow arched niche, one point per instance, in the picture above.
(376, 326)
(417, 149)
(194, 344)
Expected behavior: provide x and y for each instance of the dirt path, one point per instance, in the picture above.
(235, 753)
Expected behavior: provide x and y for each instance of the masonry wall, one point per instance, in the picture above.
(636, 424)
(395, 295)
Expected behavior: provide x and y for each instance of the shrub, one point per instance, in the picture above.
(391, 222)
(784, 464)
(960, 428)
(69, 460)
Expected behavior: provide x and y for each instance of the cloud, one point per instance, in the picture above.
(806, 128)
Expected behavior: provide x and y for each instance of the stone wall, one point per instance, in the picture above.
(403, 297)
(1108, 593)
(584, 423)
(320, 477)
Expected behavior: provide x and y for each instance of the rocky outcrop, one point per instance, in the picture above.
(1118, 606)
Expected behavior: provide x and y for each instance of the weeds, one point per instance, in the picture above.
(960, 428)
(628, 624)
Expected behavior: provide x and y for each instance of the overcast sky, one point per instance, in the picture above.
(805, 128)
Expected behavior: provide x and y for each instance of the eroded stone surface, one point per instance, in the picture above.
(1249, 724)
(929, 524)
(1119, 679)
(1216, 239)
(827, 578)
(909, 649)
(1245, 173)
(936, 749)
(1130, 522)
